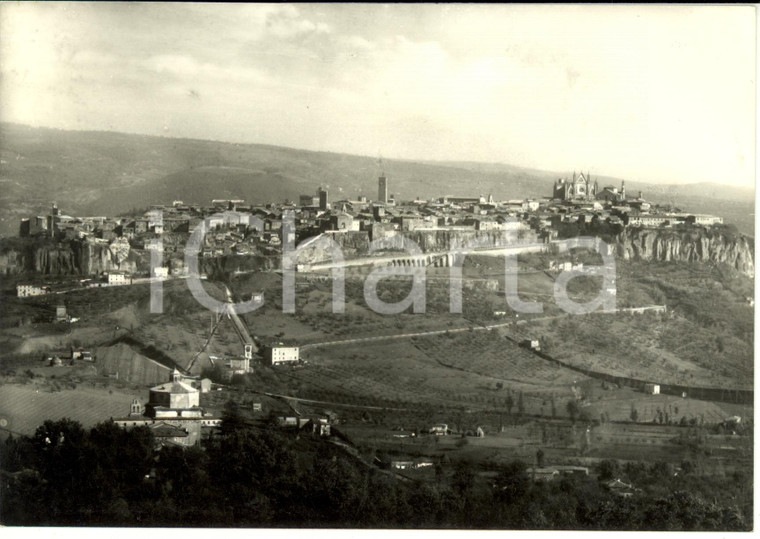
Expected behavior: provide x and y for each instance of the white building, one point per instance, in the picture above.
(116, 278)
(652, 389)
(160, 272)
(529, 205)
(279, 354)
(708, 220)
(441, 429)
(173, 413)
(166, 399)
(28, 290)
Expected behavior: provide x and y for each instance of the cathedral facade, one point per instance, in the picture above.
(579, 188)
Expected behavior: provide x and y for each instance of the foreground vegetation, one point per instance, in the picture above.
(263, 476)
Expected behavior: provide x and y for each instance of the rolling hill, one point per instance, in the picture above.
(106, 173)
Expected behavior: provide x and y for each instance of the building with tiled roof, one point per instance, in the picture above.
(173, 413)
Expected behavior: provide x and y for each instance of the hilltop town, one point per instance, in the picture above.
(577, 205)
(416, 397)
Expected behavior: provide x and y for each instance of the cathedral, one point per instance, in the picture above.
(579, 188)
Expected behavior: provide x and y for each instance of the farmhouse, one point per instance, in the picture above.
(550, 473)
(652, 389)
(84, 355)
(571, 470)
(619, 488)
(543, 474)
(441, 429)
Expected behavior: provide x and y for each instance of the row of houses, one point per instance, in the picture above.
(110, 278)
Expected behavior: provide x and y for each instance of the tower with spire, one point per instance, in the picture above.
(382, 184)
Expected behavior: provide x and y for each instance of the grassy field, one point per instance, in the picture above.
(617, 404)
(25, 407)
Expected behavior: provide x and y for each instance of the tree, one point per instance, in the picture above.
(572, 409)
(554, 407)
(634, 414)
(520, 403)
(540, 458)
(608, 469)
(512, 483)
(232, 420)
(510, 402)
(463, 478)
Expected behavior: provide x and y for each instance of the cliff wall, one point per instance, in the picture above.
(356, 244)
(75, 257)
(702, 245)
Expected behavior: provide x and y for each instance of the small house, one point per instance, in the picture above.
(543, 474)
(84, 355)
(652, 389)
(60, 314)
(619, 488)
(441, 429)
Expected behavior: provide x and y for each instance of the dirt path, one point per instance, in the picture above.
(460, 330)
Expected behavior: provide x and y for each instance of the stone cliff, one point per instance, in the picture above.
(441, 241)
(219, 267)
(700, 245)
(356, 244)
(317, 249)
(75, 257)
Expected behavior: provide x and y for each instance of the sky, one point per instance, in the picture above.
(661, 94)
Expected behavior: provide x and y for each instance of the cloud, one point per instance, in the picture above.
(287, 22)
(631, 89)
(189, 69)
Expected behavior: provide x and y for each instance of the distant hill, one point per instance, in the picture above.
(105, 173)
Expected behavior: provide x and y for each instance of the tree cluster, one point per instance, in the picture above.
(247, 476)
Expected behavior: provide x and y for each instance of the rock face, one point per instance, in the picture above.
(439, 241)
(689, 246)
(356, 244)
(318, 248)
(76, 257)
(221, 266)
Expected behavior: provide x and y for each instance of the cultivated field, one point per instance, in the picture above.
(26, 407)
